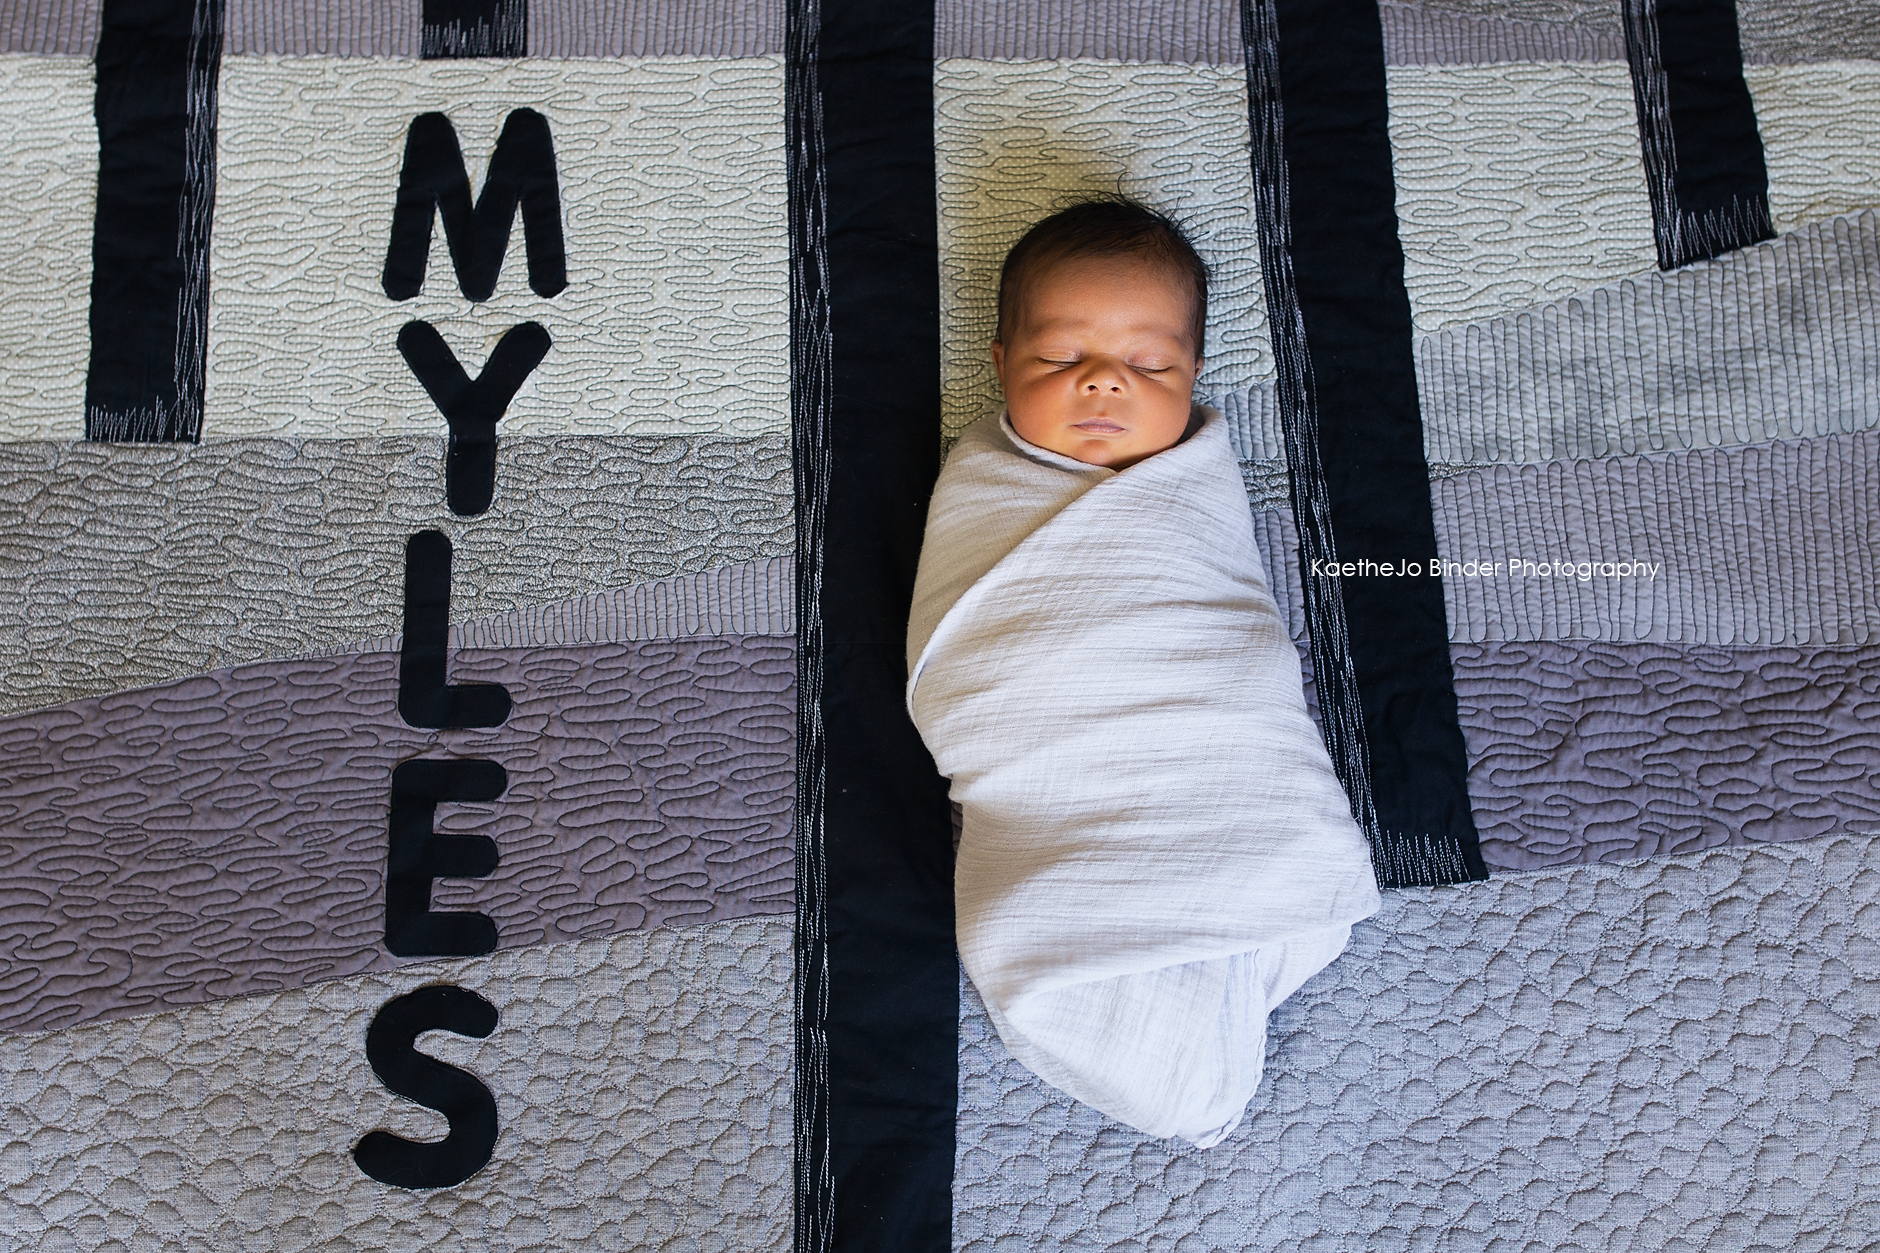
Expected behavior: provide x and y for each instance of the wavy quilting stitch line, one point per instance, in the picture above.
(131, 569)
(1475, 1059)
(226, 835)
(672, 198)
(642, 1079)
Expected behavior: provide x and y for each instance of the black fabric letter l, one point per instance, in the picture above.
(425, 699)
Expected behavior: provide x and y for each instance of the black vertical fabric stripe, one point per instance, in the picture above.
(455, 29)
(877, 975)
(1697, 128)
(1325, 206)
(157, 68)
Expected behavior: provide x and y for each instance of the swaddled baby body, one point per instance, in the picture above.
(1154, 849)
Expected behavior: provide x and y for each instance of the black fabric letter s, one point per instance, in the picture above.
(457, 1094)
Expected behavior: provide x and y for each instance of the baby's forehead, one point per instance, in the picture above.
(1147, 287)
(1132, 268)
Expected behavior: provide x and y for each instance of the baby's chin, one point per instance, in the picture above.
(1112, 452)
(1116, 449)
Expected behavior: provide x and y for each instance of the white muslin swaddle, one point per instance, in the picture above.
(1155, 851)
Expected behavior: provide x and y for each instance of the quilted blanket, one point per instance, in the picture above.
(463, 466)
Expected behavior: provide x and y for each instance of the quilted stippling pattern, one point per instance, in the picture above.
(1673, 1056)
(642, 1083)
(1602, 752)
(671, 189)
(48, 188)
(1820, 128)
(127, 567)
(1515, 184)
(647, 784)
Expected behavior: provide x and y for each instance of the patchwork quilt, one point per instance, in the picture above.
(462, 472)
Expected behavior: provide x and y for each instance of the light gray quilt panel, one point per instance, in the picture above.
(1676, 1054)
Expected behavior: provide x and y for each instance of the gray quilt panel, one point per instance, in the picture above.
(129, 565)
(1778, 32)
(642, 1085)
(1595, 15)
(1680, 1054)
(1778, 340)
(1770, 544)
(1197, 32)
(326, 28)
(1772, 31)
(1767, 544)
(1432, 32)
(1207, 32)
(393, 28)
(655, 28)
(1586, 751)
(50, 27)
(1416, 34)
(1604, 752)
(227, 835)
(750, 598)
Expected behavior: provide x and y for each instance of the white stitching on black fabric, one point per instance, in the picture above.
(811, 358)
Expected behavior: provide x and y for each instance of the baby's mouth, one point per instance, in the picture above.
(1098, 426)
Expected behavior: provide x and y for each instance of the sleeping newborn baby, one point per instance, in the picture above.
(1154, 849)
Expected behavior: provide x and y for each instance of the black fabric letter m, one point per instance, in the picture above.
(522, 171)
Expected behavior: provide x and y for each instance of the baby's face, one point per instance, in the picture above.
(1099, 365)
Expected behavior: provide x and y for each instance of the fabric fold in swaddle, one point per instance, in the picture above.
(1154, 851)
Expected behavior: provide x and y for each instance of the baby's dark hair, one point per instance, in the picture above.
(1105, 226)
